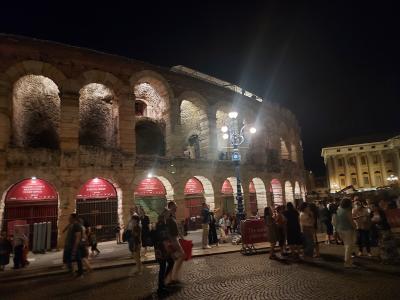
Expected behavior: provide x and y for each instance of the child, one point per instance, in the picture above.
(93, 243)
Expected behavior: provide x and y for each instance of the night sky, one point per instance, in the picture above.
(335, 64)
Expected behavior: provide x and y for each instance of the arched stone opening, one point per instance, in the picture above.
(194, 199)
(303, 192)
(98, 113)
(194, 124)
(29, 202)
(293, 153)
(154, 95)
(289, 192)
(276, 187)
(297, 191)
(260, 193)
(152, 194)
(150, 138)
(36, 112)
(100, 206)
(285, 155)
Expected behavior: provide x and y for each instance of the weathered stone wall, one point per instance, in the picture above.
(81, 84)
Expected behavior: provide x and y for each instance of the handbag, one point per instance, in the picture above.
(187, 246)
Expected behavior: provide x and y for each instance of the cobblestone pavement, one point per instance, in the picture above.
(226, 276)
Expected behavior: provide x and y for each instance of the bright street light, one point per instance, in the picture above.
(225, 136)
(224, 129)
(233, 115)
(253, 130)
(392, 178)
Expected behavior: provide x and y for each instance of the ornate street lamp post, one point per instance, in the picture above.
(236, 138)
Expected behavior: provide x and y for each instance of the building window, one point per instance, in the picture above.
(361, 148)
(378, 179)
(140, 108)
(349, 149)
(340, 162)
(342, 182)
(337, 150)
(363, 160)
(366, 180)
(353, 180)
(352, 161)
(385, 146)
(372, 147)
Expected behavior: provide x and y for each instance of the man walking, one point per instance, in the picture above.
(72, 242)
(205, 221)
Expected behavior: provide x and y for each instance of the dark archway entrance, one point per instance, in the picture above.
(29, 202)
(194, 199)
(97, 204)
(150, 138)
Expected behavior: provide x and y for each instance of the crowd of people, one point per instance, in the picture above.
(346, 221)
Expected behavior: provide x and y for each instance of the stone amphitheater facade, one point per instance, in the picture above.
(69, 114)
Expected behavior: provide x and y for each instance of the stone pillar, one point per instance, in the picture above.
(67, 198)
(179, 198)
(371, 169)
(360, 177)
(396, 162)
(126, 126)
(383, 168)
(127, 202)
(174, 140)
(347, 170)
(5, 114)
(69, 124)
(212, 131)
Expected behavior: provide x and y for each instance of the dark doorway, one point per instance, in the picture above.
(149, 139)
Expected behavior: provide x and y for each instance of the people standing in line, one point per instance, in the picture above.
(5, 250)
(315, 213)
(346, 228)
(162, 253)
(326, 219)
(84, 245)
(72, 242)
(212, 234)
(93, 242)
(117, 231)
(271, 230)
(146, 237)
(205, 223)
(293, 231)
(20, 242)
(280, 222)
(177, 252)
(135, 243)
(362, 219)
(307, 229)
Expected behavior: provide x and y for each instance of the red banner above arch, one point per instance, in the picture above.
(97, 188)
(227, 188)
(150, 187)
(252, 188)
(32, 190)
(193, 186)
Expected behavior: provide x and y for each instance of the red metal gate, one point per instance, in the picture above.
(33, 212)
(101, 214)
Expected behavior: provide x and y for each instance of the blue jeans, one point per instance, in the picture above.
(68, 259)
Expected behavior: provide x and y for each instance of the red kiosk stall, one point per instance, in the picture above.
(194, 198)
(28, 202)
(151, 195)
(97, 204)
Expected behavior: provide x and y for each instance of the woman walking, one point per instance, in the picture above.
(135, 242)
(271, 230)
(280, 222)
(293, 231)
(346, 226)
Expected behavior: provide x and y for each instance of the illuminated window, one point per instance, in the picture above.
(340, 162)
